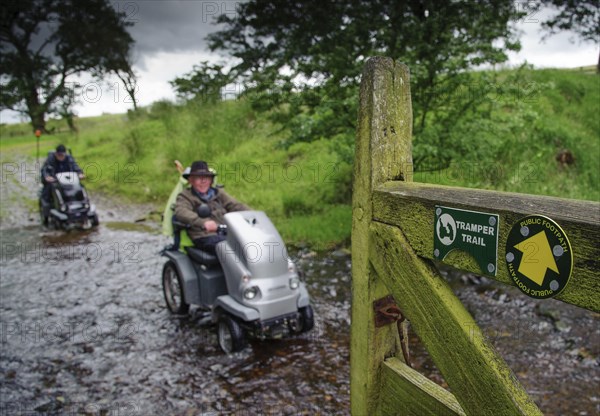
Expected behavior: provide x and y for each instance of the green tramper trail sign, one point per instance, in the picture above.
(473, 232)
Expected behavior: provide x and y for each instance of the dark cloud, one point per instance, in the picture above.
(172, 26)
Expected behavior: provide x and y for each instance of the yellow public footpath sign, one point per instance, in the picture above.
(539, 256)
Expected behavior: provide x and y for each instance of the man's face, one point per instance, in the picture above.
(60, 156)
(201, 183)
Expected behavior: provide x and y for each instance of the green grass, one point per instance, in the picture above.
(133, 158)
(304, 188)
(548, 112)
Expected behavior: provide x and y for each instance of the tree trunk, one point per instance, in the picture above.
(36, 111)
(133, 99)
(130, 83)
(38, 121)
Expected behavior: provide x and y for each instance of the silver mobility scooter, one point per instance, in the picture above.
(251, 288)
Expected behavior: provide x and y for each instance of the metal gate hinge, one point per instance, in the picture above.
(386, 311)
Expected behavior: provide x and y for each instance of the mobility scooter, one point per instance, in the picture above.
(250, 288)
(69, 206)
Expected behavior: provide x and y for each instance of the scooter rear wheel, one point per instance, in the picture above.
(173, 289)
(230, 334)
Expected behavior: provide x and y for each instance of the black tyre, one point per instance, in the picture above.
(173, 289)
(53, 223)
(231, 336)
(307, 318)
(95, 221)
(43, 218)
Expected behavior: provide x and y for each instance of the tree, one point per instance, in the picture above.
(129, 80)
(309, 55)
(64, 107)
(579, 16)
(122, 66)
(204, 82)
(44, 42)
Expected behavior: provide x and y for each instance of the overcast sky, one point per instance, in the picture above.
(169, 40)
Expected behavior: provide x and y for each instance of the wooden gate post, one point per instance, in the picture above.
(383, 153)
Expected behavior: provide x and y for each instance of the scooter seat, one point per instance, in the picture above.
(202, 257)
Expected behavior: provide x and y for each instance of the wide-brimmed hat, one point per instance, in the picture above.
(200, 168)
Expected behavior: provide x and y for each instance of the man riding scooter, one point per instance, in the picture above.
(204, 231)
(248, 295)
(57, 162)
(64, 202)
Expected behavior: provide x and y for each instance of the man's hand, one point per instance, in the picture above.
(179, 166)
(211, 226)
(49, 179)
(81, 176)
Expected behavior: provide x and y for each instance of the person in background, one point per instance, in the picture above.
(203, 231)
(57, 162)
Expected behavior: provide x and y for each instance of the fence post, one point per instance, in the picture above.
(383, 153)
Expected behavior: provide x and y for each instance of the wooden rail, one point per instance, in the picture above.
(393, 245)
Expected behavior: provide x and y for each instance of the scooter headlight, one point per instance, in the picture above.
(251, 292)
(294, 283)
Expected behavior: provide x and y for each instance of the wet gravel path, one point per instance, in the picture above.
(84, 327)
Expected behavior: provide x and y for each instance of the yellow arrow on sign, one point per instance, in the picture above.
(537, 257)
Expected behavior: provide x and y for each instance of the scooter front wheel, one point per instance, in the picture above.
(173, 289)
(307, 317)
(231, 335)
(43, 217)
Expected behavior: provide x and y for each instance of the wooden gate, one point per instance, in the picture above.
(392, 245)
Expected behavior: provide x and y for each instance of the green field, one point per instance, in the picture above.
(545, 114)
(304, 188)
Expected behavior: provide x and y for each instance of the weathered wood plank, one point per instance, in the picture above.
(410, 206)
(406, 392)
(383, 138)
(480, 380)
